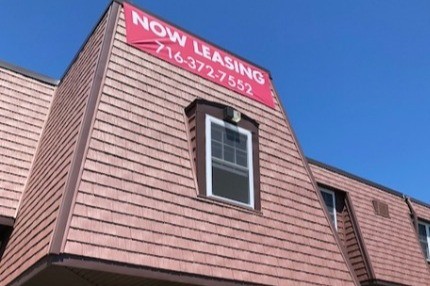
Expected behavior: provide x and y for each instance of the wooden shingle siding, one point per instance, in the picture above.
(24, 105)
(192, 136)
(38, 211)
(391, 242)
(422, 211)
(137, 201)
(353, 249)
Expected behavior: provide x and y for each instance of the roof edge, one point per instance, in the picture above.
(355, 177)
(380, 282)
(416, 201)
(75, 57)
(364, 181)
(29, 73)
(142, 271)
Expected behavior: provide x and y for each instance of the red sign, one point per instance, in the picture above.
(169, 43)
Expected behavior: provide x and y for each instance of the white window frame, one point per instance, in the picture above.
(208, 121)
(427, 226)
(333, 194)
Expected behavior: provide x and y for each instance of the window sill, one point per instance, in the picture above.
(222, 203)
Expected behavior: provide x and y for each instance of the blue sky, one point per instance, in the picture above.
(354, 76)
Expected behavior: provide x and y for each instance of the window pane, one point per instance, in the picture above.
(230, 137)
(216, 132)
(422, 232)
(241, 158)
(328, 200)
(332, 218)
(230, 184)
(230, 166)
(229, 145)
(229, 154)
(217, 149)
(423, 237)
(241, 142)
(424, 246)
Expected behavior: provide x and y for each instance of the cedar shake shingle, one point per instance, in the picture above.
(137, 201)
(24, 105)
(38, 212)
(391, 242)
(422, 211)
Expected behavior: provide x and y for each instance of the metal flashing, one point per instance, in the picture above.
(75, 57)
(118, 268)
(29, 73)
(416, 201)
(84, 133)
(364, 181)
(305, 161)
(352, 176)
(359, 236)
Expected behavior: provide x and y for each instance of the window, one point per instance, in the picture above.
(225, 153)
(229, 174)
(5, 232)
(424, 237)
(329, 198)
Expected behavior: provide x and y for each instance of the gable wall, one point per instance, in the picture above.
(137, 201)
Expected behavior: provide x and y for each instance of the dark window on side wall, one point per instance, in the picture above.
(329, 198)
(5, 232)
(225, 154)
(424, 237)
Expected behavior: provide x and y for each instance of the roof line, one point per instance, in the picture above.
(419, 202)
(365, 181)
(355, 177)
(75, 57)
(29, 73)
(55, 82)
(194, 35)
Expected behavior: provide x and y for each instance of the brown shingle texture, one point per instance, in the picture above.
(43, 194)
(137, 201)
(391, 242)
(24, 105)
(352, 247)
(422, 211)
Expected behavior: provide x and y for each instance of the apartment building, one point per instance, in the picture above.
(162, 159)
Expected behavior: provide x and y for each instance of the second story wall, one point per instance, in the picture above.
(391, 241)
(138, 201)
(43, 196)
(24, 105)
